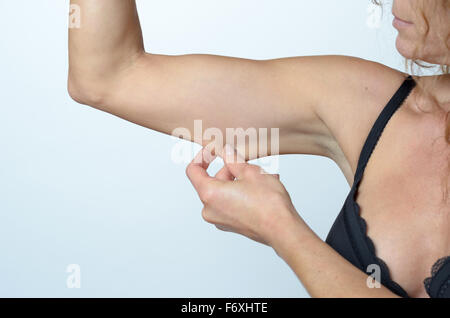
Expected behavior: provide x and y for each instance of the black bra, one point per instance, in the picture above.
(348, 234)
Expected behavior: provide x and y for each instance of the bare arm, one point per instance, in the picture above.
(108, 42)
(323, 272)
(240, 199)
(311, 100)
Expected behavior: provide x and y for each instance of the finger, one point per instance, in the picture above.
(224, 174)
(209, 152)
(234, 161)
(196, 170)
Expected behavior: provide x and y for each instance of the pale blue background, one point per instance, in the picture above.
(81, 186)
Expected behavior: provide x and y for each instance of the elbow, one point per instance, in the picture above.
(85, 92)
(91, 84)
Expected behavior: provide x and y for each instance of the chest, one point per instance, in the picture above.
(401, 199)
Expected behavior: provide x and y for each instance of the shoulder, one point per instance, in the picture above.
(358, 91)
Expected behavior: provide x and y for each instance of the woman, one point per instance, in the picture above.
(347, 109)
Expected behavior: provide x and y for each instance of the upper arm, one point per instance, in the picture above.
(164, 92)
(309, 99)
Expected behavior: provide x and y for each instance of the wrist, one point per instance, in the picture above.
(289, 235)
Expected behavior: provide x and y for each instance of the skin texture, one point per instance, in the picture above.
(427, 37)
(308, 99)
(241, 199)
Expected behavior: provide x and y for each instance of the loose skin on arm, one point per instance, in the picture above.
(110, 70)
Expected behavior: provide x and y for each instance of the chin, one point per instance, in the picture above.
(409, 50)
(406, 48)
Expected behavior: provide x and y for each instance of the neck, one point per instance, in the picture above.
(438, 88)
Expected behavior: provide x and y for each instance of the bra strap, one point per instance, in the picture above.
(394, 104)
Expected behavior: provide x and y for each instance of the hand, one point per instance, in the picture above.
(241, 198)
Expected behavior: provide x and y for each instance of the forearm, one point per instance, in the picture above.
(108, 40)
(323, 272)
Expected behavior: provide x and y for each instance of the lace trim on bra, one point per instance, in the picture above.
(386, 280)
(435, 269)
(358, 177)
(386, 276)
